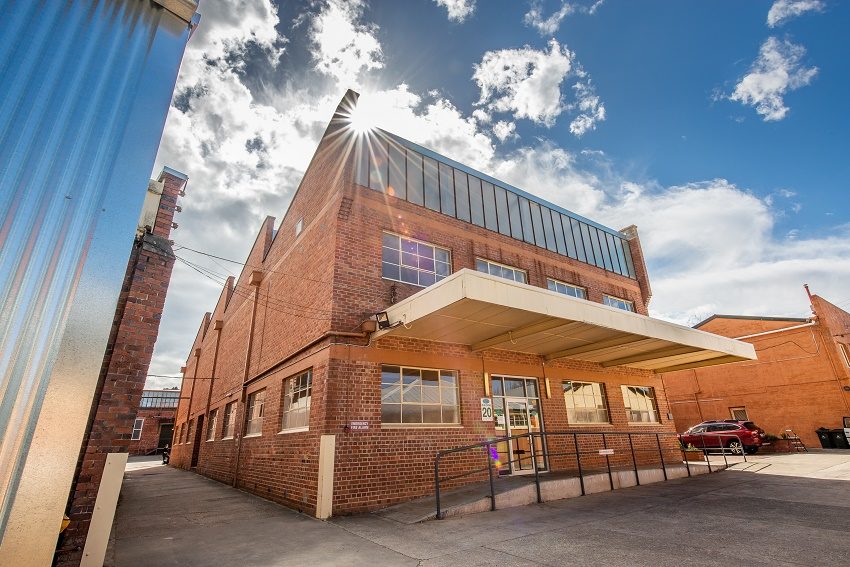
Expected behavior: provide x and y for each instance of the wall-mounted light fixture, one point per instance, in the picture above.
(383, 320)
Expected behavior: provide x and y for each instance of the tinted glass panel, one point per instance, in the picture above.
(378, 165)
(588, 247)
(548, 229)
(575, 228)
(525, 213)
(476, 203)
(414, 178)
(559, 233)
(397, 185)
(447, 190)
(502, 211)
(612, 249)
(600, 247)
(361, 157)
(629, 263)
(462, 195)
(513, 211)
(537, 225)
(432, 189)
(568, 236)
(489, 206)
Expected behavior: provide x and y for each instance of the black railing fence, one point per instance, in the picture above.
(581, 452)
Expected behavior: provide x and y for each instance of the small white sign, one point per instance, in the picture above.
(606, 451)
(486, 409)
(359, 425)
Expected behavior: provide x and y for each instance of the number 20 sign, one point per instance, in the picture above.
(486, 409)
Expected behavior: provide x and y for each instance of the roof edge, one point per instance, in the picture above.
(752, 318)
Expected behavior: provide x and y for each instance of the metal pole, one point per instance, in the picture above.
(437, 483)
(661, 454)
(634, 461)
(536, 471)
(705, 453)
(490, 473)
(608, 462)
(578, 461)
(723, 450)
(685, 455)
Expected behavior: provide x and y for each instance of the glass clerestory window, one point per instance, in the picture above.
(413, 261)
(566, 289)
(137, 429)
(640, 403)
(623, 304)
(296, 401)
(419, 396)
(388, 165)
(495, 269)
(586, 402)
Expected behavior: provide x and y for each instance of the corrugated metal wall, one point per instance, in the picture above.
(84, 90)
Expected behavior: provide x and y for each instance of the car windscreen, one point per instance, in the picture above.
(750, 425)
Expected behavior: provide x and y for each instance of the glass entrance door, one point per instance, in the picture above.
(517, 411)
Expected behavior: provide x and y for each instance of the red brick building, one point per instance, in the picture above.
(801, 380)
(127, 358)
(153, 427)
(402, 294)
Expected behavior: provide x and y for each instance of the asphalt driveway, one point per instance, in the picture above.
(784, 510)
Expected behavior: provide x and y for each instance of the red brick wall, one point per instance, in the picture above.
(796, 383)
(125, 368)
(149, 440)
(328, 279)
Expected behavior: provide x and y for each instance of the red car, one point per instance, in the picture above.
(733, 434)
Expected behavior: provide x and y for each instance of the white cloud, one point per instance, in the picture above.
(525, 82)
(590, 108)
(458, 10)
(546, 26)
(777, 70)
(783, 10)
(344, 48)
(504, 130)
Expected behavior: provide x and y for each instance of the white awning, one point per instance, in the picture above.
(484, 311)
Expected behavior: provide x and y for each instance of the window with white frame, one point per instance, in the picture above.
(739, 413)
(137, 429)
(229, 424)
(566, 289)
(190, 431)
(501, 270)
(211, 423)
(845, 352)
(299, 226)
(640, 404)
(419, 396)
(296, 401)
(586, 402)
(413, 261)
(256, 403)
(623, 304)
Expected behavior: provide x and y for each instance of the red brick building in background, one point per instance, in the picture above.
(403, 294)
(153, 427)
(127, 358)
(801, 380)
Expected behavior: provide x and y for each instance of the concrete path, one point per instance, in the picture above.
(786, 517)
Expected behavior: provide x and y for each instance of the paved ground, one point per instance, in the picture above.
(794, 511)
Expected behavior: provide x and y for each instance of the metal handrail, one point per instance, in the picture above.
(491, 455)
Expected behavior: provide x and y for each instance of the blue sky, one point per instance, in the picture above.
(718, 128)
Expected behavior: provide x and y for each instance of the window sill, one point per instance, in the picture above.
(421, 426)
(252, 435)
(293, 430)
(600, 424)
(227, 438)
(210, 440)
(644, 424)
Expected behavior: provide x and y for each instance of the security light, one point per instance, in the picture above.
(383, 320)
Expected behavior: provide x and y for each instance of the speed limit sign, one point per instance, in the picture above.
(486, 409)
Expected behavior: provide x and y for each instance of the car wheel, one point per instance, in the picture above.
(736, 447)
(751, 450)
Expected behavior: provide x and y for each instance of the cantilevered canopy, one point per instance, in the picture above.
(485, 311)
